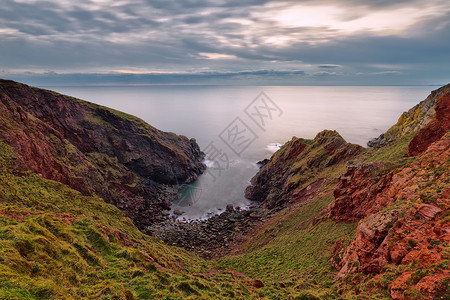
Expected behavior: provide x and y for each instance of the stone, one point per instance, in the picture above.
(178, 212)
(258, 284)
(428, 211)
(263, 162)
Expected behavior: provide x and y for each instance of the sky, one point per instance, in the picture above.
(253, 42)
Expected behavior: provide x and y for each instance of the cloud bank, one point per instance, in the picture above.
(194, 41)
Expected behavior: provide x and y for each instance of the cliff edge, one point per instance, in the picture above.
(96, 150)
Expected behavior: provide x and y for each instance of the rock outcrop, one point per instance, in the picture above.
(357, 189)
(95, 149)
(45, 151)
(297, 169)
(434, 130)
(402, 212)
(413, 120)
(398, 192)
(420, 192)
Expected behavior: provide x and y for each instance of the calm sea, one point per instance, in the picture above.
(238, 126)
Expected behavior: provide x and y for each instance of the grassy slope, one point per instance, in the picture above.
(292, 256)
(56, 243)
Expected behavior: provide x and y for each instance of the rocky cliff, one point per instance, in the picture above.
(298, 169)
(413, 120)
(338, 221)
(61, 159)
(435, 129)
(96, 150)
(403, 213)
(396, 193)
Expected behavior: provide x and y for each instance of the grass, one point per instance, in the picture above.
(310, 164)
(58, 244)
(392, 152)
(111, 169)
(291, 256)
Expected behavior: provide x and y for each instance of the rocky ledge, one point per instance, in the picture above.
(403, 222)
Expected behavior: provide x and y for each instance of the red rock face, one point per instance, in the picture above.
(401, 212)
(413, 229)
(358, 189)
(433, 131)
(44, 150)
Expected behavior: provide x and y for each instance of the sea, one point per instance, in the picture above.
(237, 126)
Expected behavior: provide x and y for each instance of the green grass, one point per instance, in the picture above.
(111, 169)
(392, 152)
(292, 252)
(58, 244)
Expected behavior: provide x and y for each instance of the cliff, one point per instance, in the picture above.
(378, 216)
(413, 120)
(299, 168)
(337, 221)
(407, 221)
(96, 150)
(403, 229)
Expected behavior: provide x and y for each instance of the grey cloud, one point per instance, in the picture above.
(170, 35)
(328, 66)
(324, 73)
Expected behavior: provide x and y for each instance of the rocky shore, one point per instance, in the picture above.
(214, 237)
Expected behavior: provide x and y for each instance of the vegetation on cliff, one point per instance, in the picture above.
(96, 150)
(413, 120)
(378, 216)
(60, 163)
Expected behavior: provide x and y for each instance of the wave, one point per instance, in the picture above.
(209, 163)
(273, 147)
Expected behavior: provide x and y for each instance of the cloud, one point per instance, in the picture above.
(91, 36)
(325, 73)
(328, 66)
(386, 73)
(216, 55)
